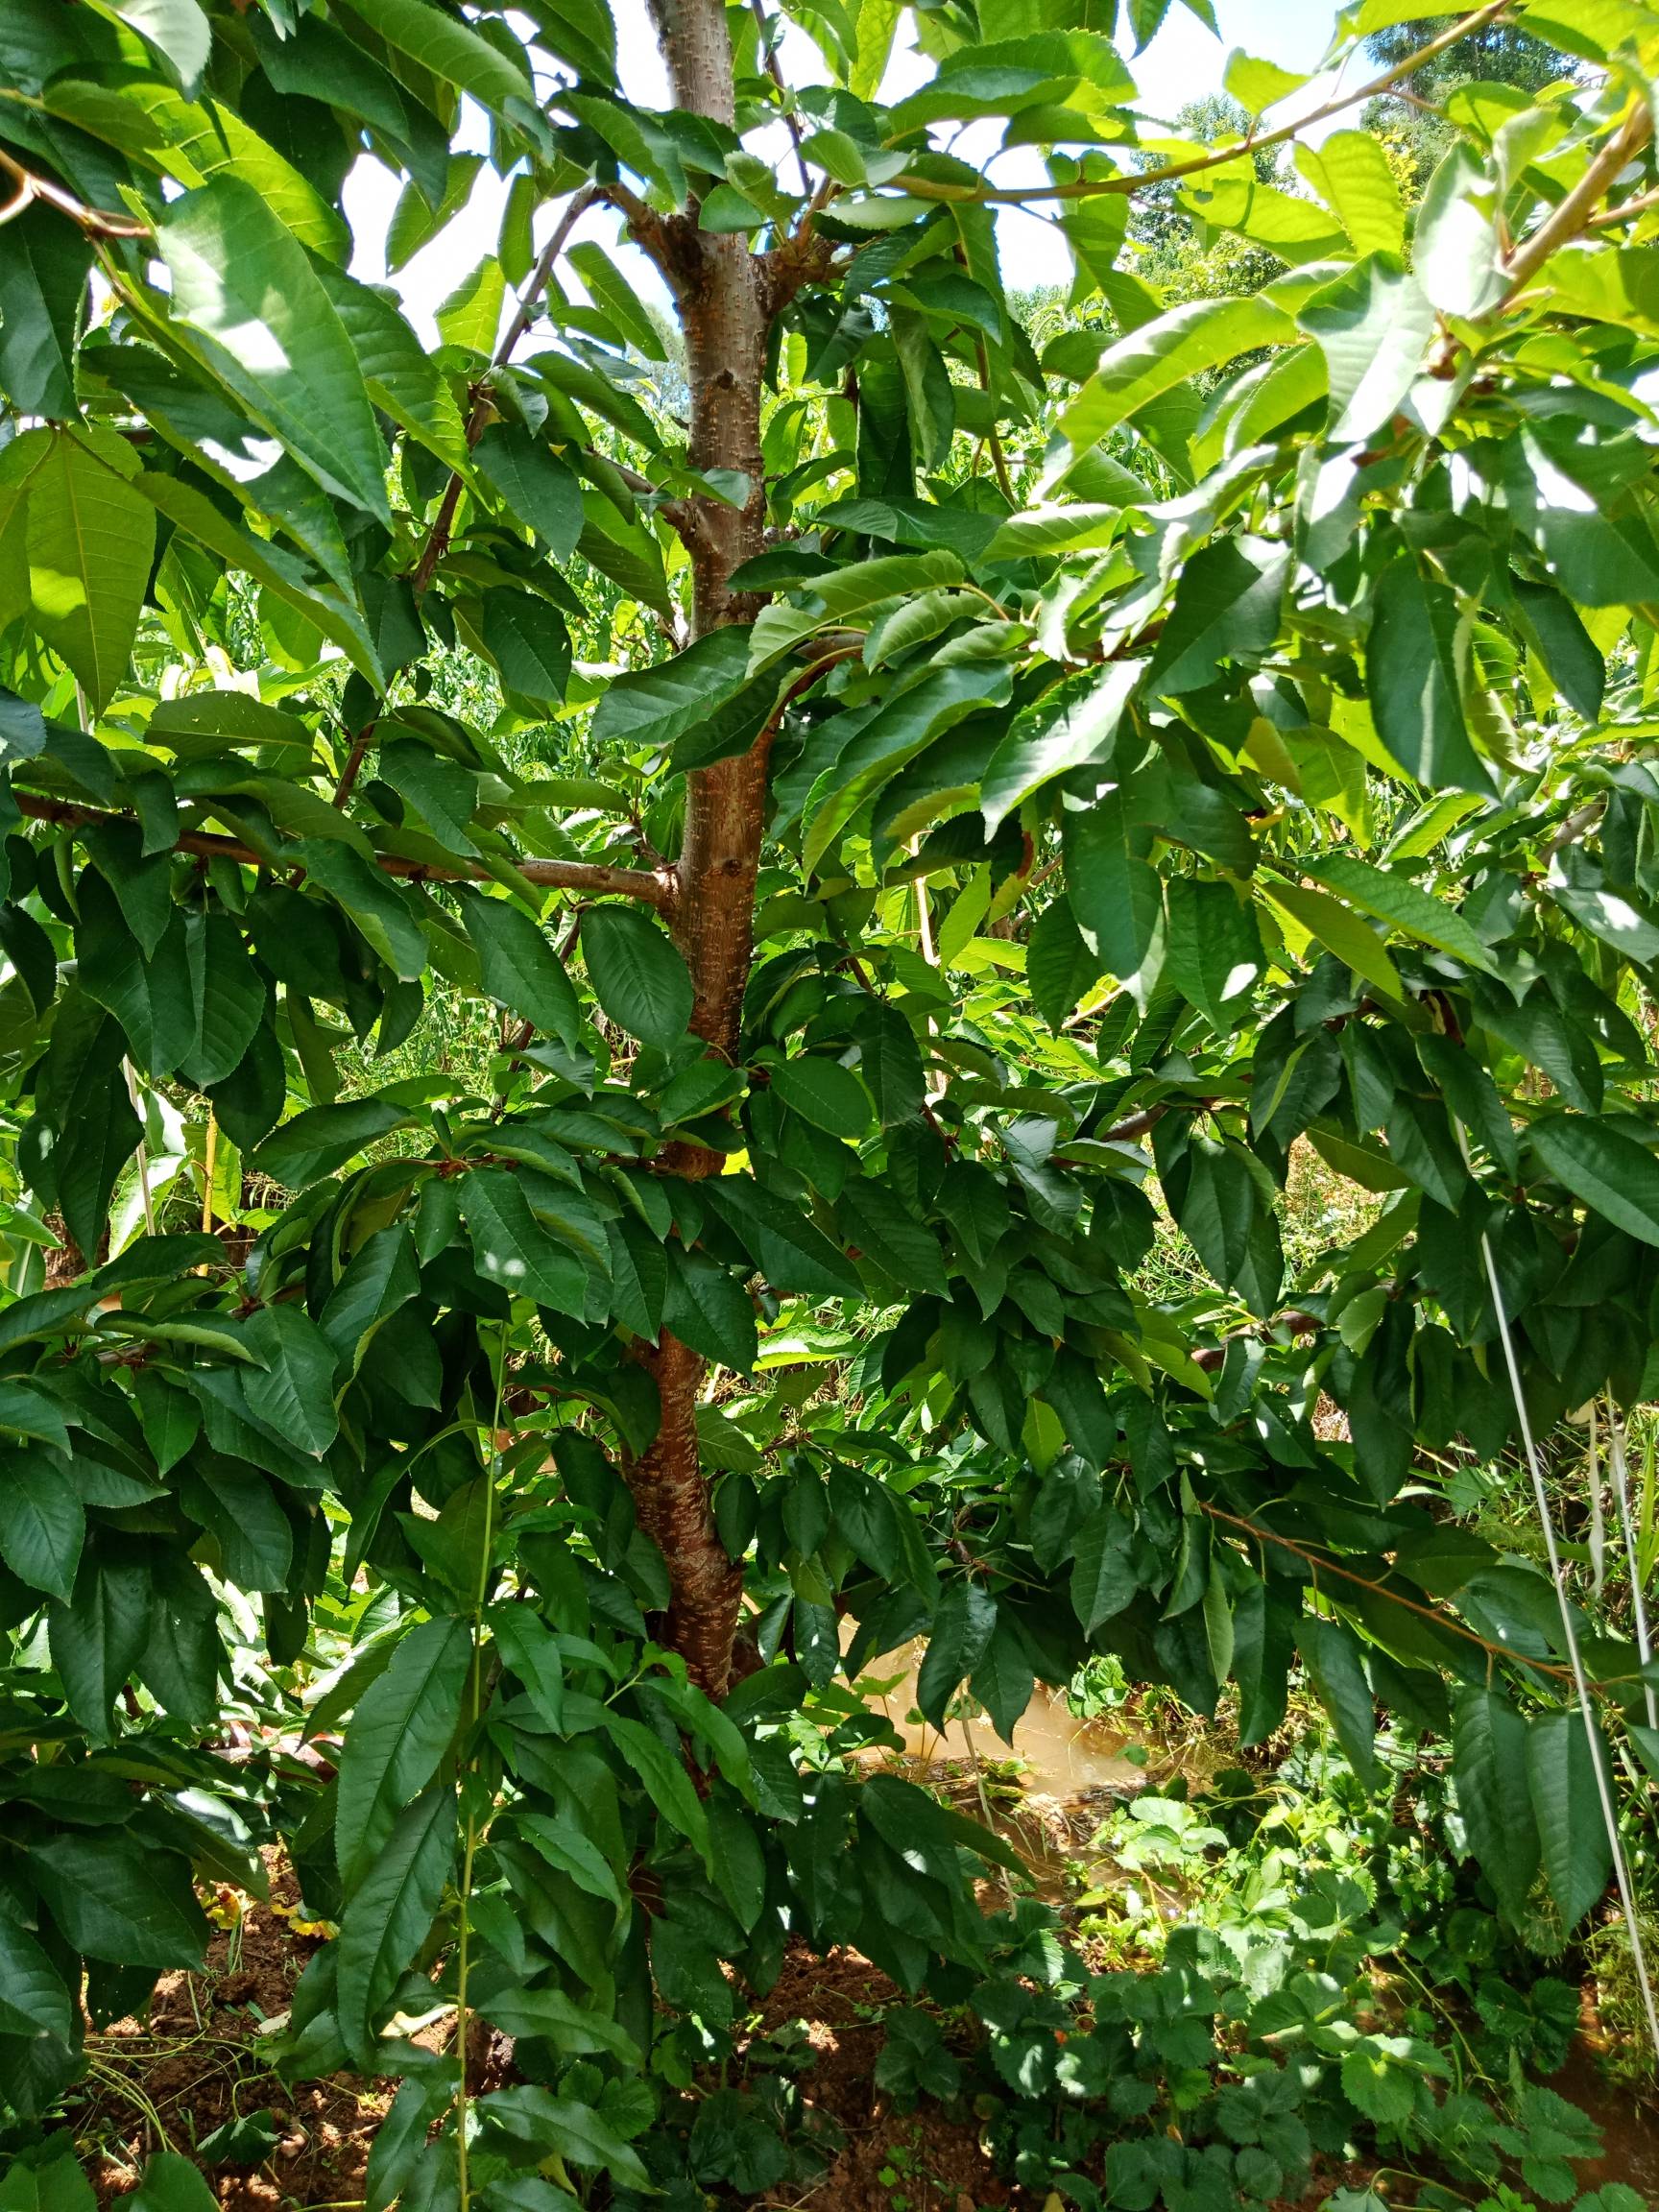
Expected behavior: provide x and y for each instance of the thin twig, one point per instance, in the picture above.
(354, 762)
(776, 73)
(1625, 212)
(523, 315)
(97, 221)
(1144, 180)
(1326, 1566)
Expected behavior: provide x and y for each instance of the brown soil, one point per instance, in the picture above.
(936, 2162)
(167, 2081)
(192, 2064)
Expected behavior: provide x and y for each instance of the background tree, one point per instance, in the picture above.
(1280, 681)
(1414, 114)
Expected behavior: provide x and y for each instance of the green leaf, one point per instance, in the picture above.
(1115, 894)
(549, 2015)
(389, 1914)
(959, 1639)
(1330, 1653)
(1212, 1191)
(171, 2183)
(711, 1312)
(1611, 1172)
(89, 541)
(1569, 653)
(118, 1899)
(1456, 249)
(1489, 1768)
(824, 1093)
(1059, 965)
(1349, 172)
(518, 966)
(380, 909)
(846, 592)
(403, 1725)
(443, 793)
(208, 722)
(83, 1102)
(529, 1647)
(471, 316)
(666, 1782)
(1103, 1578)
(42, 281)
(528, 642)
(1561, 1772)
(792, 1253)
(396, 371)
(230, 996)
(1341, 932)
(1001, 77)
(703, 699)
(343, 624)
(616, 299)
(639, 1277)
(1373, 325)
(637, 973)
(291, 1388)
(1186, 342)
(1416, 657)
(42, 1524)
(572, 2130)
(150, 998)
(176, 30)
(380, 1278)
(886, 737)
(98, 1639)
(456, 56)
(572, 1853)
(1004, 1682)
(323, 1138)
(1074, 725)
(536, 485)
(1227, 609)
(259, 317)
(1396, 899)
(1214, 946)
(33, 1998)
(907, 1251)
(512, 1249)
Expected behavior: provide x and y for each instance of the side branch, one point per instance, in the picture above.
(523, 315)
(1321, 1565)
(96, 222)
(1143, 180)
(1576, 213)
(593, 877)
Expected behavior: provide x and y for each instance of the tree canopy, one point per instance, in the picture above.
(618, 933)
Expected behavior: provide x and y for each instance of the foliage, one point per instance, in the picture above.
(1094, 782)
(1416, 116)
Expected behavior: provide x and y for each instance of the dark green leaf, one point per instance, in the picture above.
(519, 966)
(637, 974)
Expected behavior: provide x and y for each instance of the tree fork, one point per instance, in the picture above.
(726, 300)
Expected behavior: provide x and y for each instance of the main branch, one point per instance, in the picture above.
(591, 876)
(724, 301)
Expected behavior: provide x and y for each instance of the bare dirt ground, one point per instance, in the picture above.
(193, 2064)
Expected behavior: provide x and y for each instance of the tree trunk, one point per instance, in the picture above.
(723, 298)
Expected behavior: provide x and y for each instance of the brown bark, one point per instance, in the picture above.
(65, 1261)
(725, 298)
(671, 1499)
